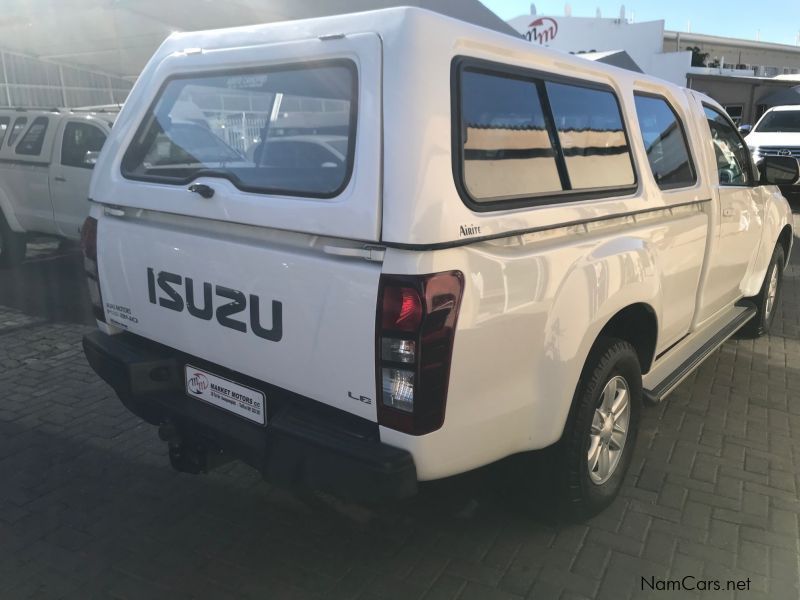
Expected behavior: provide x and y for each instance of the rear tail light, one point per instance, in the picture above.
(416, 325)
(89, 247)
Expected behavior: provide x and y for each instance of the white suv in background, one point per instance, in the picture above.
(777, 133)
(46, 162)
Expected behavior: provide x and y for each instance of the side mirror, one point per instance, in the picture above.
(778, 170)
(90, 158)
(745, 129)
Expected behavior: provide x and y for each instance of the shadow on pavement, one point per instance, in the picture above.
(50, 284)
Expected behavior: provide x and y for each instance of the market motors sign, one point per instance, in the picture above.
(542, 30)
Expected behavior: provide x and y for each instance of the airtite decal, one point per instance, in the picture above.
(467, 230)
(120, 315)
(172, 299)
(542, 30)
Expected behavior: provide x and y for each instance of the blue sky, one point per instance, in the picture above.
(778, 20)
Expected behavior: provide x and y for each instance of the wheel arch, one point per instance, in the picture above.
(785, 239)
(776, 228)
(7, 212)
(636, 324)
(598, 298)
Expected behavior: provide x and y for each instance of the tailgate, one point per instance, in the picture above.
(273, 306)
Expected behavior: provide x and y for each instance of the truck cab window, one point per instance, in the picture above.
(730, 151)
(16, 129)
(31, 143)
(4, 123)
(664, 142)
(82, 143)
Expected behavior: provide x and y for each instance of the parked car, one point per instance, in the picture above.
(777, 133)
(311, 151)
(46, 162)
(517, 249)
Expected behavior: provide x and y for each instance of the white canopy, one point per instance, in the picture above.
(119, 36)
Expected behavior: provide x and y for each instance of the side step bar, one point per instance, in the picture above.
(671, 381)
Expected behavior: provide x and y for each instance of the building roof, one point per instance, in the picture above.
(118, 36)
(617, 58)
(733, 78)
(702, 38)
(781, 98)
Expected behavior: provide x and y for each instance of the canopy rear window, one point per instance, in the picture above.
(288, 130)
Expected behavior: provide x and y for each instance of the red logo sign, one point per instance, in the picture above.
(542, 30)
(198, 383)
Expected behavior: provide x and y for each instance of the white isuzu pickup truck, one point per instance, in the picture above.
(46, 162)
(369, 250)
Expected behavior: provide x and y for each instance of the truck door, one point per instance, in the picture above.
(77, 148)
(25, 173)
(740, 213)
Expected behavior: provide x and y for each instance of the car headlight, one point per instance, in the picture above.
(756, 152)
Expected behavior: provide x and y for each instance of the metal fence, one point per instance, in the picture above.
(27, 81)
(243, 130)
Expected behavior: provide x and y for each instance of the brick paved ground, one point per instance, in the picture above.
(89, 507)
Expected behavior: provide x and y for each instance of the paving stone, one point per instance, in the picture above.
(477, 591)
(672, 496)
(591, 560)
(519, 579)
(753, 557)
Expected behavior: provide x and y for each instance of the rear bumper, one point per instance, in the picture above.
(304, 443)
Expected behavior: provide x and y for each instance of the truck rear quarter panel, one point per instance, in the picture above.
(532, 308)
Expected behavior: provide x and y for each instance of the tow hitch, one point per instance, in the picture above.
(188, 455)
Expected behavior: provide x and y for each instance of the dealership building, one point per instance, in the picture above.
(745, 76)
(642, 42)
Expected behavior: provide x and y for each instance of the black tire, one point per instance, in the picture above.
(584, 491)
(13, 245)
(765, 315)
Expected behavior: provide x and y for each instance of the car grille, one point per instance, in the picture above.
(793, 151)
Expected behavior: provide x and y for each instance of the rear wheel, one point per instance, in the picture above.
(768, 296)
(597, 446)
(12, 245)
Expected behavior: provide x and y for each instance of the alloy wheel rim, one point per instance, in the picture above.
(609, 430)
(772, 292)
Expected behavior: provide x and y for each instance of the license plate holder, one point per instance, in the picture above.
(241, 400)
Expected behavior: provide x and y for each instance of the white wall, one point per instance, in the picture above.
(671, 66)
(642, 41)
